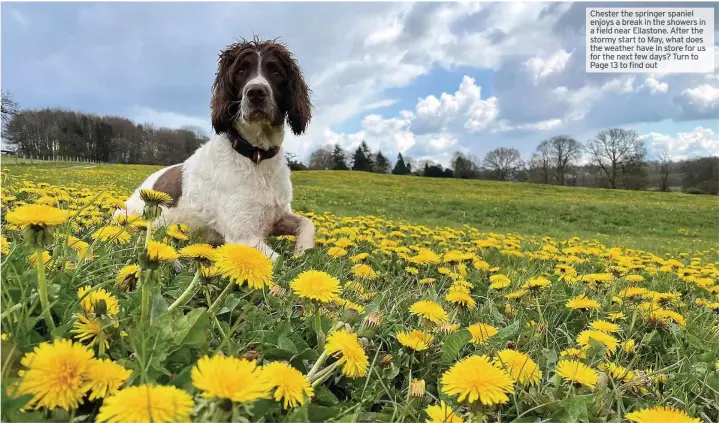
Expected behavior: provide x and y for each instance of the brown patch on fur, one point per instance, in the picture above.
(170, 182)
(287, 225)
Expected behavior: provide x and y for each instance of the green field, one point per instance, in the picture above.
(423, 299)
(655, 221)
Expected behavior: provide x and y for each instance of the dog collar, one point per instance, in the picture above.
(248, 150)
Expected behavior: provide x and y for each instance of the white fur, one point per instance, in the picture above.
(225, 194)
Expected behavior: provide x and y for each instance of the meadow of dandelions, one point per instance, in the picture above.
(112, 319)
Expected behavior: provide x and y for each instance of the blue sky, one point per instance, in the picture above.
(424, 79)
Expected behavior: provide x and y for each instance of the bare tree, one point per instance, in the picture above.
(617, 152)
(565, 151)
(322, 159)
(541, 161)
(502, 161)
(664, 168)
(8, 109)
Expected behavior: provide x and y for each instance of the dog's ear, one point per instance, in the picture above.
(223, 100)
(297, 99)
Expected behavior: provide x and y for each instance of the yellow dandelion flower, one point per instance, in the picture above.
(516, 294)
(354, 360)
(429, 310)
(116, 234)
(536, 284)
(158, 251)
(242, 263)
(155, 197)
(577, 372)
(461, 297)
(415, 339)
(520, 366)
(629, 346)
(37, 216)
(203, 253)
(54, 374)
(604, 326)
(617, 372)
(634, 278)
(4, 245)
(88, 329)
(424, 256)
(427, 281)
(127, 277)
(610, 343)
(90, 297)
(290, 385)
(336, 252)
(316, 285)
(32, 258)
(359, 257)
(147, 403)
(499, 281)
(364, 271)
(176, 232)
(475, 379)
(442, 414)
(411, 270)
(447, 328)
(235, 379)
(617, 316)
(581, 302)
(660, 414)
(105, 377)
(481, 332)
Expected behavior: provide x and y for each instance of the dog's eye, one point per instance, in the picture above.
(241, 72)
(275, 73)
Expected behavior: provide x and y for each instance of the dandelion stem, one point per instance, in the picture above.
(225, 292)
(318, 328)
(539, 310)
(324, 374)
(42, 289)
(145, 291)
(320, 361)
(190, 292)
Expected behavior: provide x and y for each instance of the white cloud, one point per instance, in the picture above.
(705, 95)
(698, 142)
(654, 85)
(542, 67)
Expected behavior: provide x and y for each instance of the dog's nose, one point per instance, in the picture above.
(257, 93)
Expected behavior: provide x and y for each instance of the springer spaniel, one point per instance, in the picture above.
(236, 187)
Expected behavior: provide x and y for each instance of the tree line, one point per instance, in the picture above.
(63, 133)
(613, 158)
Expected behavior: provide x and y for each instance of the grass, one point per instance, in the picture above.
(646, 261)
(648, 220)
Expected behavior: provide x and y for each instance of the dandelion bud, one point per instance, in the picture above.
(386, 360)
(251, 355)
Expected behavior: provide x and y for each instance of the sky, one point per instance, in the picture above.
(422, 79)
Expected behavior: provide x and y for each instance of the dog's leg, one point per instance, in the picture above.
(301, 227)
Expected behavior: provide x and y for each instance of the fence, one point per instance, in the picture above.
(32, 159)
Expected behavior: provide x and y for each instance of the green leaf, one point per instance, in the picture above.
(284, 343)
(507, 331)
(318, 413)
(191, 329)
(452, 344)
(325, 396)
(695, 342)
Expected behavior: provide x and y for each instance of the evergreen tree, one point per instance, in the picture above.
(368, 155)
(381, 164)
(339, 158)
(359, 160)
(400, 168)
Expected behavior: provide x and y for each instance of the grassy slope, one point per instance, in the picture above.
(647, 220)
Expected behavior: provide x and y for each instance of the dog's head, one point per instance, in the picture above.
(259, 83)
